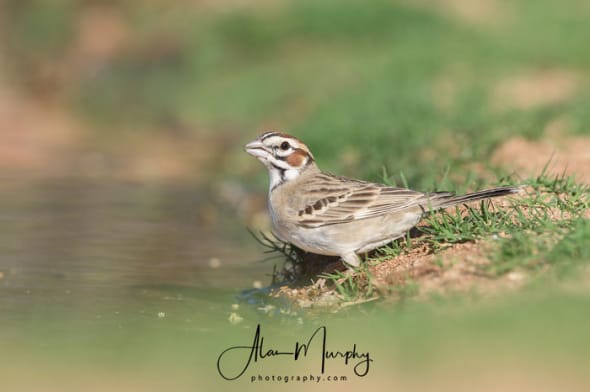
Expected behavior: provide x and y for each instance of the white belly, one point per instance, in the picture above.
(352, 237)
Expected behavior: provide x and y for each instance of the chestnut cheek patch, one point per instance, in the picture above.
(297, 158)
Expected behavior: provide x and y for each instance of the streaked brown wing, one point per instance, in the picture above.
(344, 200)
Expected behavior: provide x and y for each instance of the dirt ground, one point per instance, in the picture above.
(569, 155)
(421, 274)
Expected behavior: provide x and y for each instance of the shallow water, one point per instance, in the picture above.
(123, 286)
(95, 252)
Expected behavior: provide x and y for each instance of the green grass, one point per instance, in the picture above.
(352, 287)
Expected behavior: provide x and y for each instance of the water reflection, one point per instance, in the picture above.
(92, 251)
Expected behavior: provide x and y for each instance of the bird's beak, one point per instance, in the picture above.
(257, 149)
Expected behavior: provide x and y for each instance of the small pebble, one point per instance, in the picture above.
(267, 308)
(1, 274)
(257, 284)
(214, 262)
(304, 303)
(235, 318)
(516, 276)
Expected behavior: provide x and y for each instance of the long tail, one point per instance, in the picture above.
(444, 199)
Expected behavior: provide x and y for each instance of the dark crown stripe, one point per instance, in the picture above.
(266, 135)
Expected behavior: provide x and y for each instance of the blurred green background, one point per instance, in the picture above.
(124, 184)
(366, 85)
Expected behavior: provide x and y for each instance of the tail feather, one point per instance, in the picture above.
(445, 199)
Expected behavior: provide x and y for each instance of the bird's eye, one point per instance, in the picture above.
(285, 146)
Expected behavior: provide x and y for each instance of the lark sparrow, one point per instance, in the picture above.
(331, 215)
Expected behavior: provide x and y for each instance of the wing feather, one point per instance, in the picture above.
(333, 200)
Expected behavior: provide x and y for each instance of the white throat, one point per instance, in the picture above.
(277, 177)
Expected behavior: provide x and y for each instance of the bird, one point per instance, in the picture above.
(332, 215)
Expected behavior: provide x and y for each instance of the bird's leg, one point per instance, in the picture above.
(351, 259)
